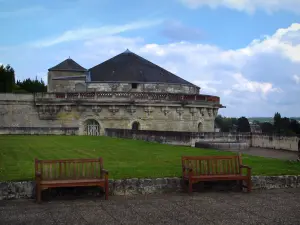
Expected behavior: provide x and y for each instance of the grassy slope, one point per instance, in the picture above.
(123, 158)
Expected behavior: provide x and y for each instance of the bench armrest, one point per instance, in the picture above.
(38, 175)
(104, 171)
(246, 167)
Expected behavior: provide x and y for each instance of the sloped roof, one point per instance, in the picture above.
(68, 65)
(129, 67)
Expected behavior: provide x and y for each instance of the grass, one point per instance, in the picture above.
(123, 158)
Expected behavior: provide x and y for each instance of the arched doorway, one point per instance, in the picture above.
(135, 125)
(200, 127)
(92, 128)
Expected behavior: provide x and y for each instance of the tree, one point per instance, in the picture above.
(267, 127)
(225, 123)
(32, 86)
(243, 125)
(294, 126)
(7, 79)
(277, 122)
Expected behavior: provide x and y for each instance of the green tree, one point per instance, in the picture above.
(277, 122)
(243, 125)
(7, 78)
(267, 128)
(32, 86)
(294, 126)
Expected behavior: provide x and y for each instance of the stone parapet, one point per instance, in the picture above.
(134, 186)
(129, 96)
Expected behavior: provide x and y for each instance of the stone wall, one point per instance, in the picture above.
(143, 87)
(27, 110)
(245, 140)
(26, 189)
(276, 142)
(40, 130)
(63, 85)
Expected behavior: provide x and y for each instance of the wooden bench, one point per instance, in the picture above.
(214, 168)
(70, 173)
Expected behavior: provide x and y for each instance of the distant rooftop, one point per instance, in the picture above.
(68, 65)
(130, 67)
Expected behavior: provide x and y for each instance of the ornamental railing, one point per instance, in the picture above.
(129, 96)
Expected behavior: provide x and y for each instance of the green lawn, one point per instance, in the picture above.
(123, 158)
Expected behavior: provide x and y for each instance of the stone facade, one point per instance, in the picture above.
(26, 189)
(153, 111)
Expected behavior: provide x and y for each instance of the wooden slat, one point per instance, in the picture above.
(68, 169)
(206, 157)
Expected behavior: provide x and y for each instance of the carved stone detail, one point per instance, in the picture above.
(180, 110)
(209, 112)
(131, 109)
(114, 86)
(148, 110)
(165, 110)
(215, 112)
(202, 111)
(193, 111)
(81, 108)
(67, 108)
(48, 111)
(96, 108)
(113, 109)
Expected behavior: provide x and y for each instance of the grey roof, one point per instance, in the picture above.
(129, 67)
(68, 65)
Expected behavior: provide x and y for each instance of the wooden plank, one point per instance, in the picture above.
(69, 160)
(209, 166)
(206, 157)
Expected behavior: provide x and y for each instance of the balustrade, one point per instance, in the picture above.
(128, 95)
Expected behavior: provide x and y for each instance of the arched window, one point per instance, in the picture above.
(200, 127)
(135, 125)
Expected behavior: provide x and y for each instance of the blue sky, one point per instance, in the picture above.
(246, 52)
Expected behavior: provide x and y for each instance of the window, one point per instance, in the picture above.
(200, 127)
(135, 125)
(134, 85)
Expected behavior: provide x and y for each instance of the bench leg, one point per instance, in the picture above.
(249, 185)
(240, 184)
(38, 194)
(106, 190)
(190, 187)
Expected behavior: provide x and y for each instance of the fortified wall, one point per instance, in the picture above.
(60, 113)
(190, 138)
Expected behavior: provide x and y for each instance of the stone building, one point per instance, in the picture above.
(126, 92)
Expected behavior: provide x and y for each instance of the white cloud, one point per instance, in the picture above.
(248, 6)
(243, 84)
(296, 78)
(91, 33)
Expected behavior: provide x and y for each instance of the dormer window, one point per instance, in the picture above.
(134, 85)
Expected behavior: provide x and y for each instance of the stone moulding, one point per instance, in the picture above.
(134, 186)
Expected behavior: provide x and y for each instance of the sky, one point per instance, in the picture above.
(245, 51)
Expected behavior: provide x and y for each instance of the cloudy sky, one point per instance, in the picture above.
(245, 51)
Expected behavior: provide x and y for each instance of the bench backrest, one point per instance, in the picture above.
(69, 169)
(212, 165)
